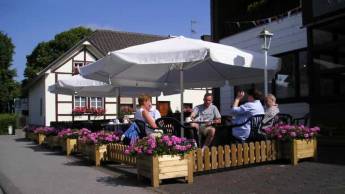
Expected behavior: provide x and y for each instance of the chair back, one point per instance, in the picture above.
(255, 127)
(303, 121)
(170, 126)
(142, 128)
(281, 118)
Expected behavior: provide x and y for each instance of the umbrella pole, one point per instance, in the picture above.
(181, 100)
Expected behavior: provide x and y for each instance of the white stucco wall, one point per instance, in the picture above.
(190, 96)
(288, 36)
(49, 99)
(36, 94)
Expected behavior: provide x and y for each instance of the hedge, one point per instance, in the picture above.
(5, 121)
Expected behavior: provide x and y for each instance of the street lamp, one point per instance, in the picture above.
(266, 36)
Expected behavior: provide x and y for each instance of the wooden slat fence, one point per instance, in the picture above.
(116, 153)
(220, 157)
(234, 155)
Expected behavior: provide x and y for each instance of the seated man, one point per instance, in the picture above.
(244, 112)
(209, 113)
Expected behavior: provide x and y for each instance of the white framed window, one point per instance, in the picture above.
(76, 66)
(96, 102)
(79, 101)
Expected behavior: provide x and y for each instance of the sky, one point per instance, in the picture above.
(29, 22)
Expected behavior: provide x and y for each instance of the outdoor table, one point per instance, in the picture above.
(118, 127)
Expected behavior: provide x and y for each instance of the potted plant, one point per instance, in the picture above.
(40, 134)
(68, 140)
(163, 157)
(52, 140)
(95, 144)
(79, 111)
(295, 141)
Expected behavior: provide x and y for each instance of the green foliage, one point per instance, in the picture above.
(46, 52)
(5, 121)
(9, 88)
(256, 5)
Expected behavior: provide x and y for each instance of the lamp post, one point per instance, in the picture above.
(266, 36)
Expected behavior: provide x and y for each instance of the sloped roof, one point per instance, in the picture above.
(107, 40)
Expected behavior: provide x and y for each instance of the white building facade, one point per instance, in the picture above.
(290, 44)
(45, 107)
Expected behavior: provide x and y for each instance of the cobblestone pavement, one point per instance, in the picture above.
(29, 168)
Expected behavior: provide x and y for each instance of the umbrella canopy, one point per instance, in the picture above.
(181, 63)
(78, 85)
(204, 64)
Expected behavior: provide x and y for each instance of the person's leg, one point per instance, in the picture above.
(209, 136)
(198, 135)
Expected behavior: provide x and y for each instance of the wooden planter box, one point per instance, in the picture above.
(157, 168)
(30, 135)
(68, 145)
(298, 149)
(52, 141)
(96, 153)
(40, 138)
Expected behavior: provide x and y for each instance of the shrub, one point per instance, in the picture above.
(158, 146)
(289, 132)
(5, 121)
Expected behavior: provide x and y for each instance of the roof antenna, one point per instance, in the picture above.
(192, 30)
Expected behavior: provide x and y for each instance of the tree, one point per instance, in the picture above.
(46, 52)
(8, 86)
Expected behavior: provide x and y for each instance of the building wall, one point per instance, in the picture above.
(49, 99)
(190, 96)
(288, 36)
(36, 97)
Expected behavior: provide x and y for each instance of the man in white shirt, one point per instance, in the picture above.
(244, 112)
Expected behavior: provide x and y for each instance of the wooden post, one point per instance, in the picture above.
(155, 171)
(233, 155)
(190, 167)
(245, 154)
(263, 151)
(220, 157)
(257, 152)
(251, 153)
(214, 157)
(315, 148)
(207, 164)
(294, 158)
(239, 155)
(199, 159)
(227, 156)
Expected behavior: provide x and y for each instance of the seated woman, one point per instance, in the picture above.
(147, 113)
(271, 111)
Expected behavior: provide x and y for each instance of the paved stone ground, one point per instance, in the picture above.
(28, 168)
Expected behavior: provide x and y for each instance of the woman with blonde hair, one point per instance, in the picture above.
(271, 110)
(146, 112)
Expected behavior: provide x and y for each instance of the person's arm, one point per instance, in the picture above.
(218, 117)
(149, 119)
(194, 113)
(238, 98)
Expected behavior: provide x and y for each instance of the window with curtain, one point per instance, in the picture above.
(79, 101)
(96, 102)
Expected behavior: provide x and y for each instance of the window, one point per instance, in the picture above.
(303, 73)
(79, 101)
(96, 102)
(76, 66)
(286, 78)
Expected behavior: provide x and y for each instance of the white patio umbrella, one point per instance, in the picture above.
(78, 85)
(180, 63)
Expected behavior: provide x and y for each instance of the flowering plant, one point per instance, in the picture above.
(96, 111)
(100, 138)
(163, 145)
(79, 110)
(48, 131)
(69, 133)
(288, 132)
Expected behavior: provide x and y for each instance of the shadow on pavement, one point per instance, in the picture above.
(22, 140)
(122, 180)
(38, 148)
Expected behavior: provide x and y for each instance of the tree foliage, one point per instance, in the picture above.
(46, 52)
(8, 86)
